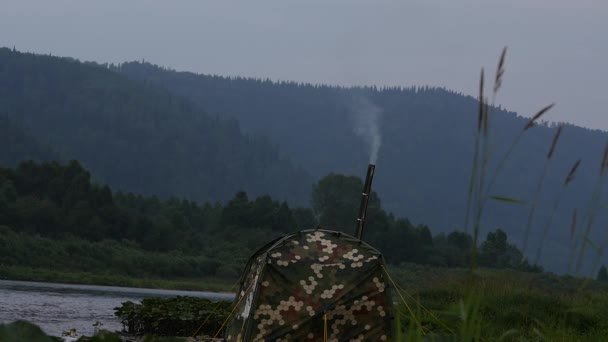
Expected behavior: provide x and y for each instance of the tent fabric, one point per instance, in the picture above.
(309, 283)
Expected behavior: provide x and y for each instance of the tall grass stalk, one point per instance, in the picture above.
(501, 164)
(470, 318)
(592, 211)
(473, 177)
(600, 254)
(424, 309)
(539, 188)
(474, 183)
(556, 203)
(486, 194)
(478, 191)
(483, 124)
(482, 181)
(487, 115)
(602, 246)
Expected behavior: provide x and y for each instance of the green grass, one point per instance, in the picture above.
(108, 279)
(22, 331)
(486, 305)
(450, 304)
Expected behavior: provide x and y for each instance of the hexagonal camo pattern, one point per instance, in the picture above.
(313, 283)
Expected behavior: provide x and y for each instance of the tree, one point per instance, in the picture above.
(497, 252)
(493, 248)
(8, 194)
(602, 274)
(336, 199)
(455, 249)
(237, 211)
(460, 240)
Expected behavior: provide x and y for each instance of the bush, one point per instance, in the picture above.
(20, 331)
(180, 316)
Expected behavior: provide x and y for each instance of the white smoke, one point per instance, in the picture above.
(366, 121)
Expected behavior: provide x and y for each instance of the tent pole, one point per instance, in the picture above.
(367, 188)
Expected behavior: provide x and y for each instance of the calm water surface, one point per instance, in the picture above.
(60, 307)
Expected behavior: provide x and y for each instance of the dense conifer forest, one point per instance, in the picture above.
(427, 144)
(133, 136)
(50, 213)
(156, 132)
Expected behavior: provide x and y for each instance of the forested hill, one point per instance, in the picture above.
(132, 136)
(150, 130)
(424, 162)
(17, 145)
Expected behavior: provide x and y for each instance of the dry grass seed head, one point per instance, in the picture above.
(570, 176)
(500, 70)
(604, 160)
(573, 224)
(537, 116)
(481, 101)
(486, 111)
(554, 143)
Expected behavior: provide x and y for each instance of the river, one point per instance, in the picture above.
(60, 307)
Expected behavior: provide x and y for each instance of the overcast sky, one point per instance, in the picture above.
(558, 49)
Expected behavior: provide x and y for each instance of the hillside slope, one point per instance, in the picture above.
(17, 145)
(136, 137)
(424, 162)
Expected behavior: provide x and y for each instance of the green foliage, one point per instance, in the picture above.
(180, 316)
(54, 218)
(94, 277)
(456, 305)
(51, 200)
(335, 200)
(21, 331)
(102, 336)
(496, 252)
(164, 339)
(105, 258)
(602, 274)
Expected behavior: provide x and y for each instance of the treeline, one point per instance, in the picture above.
(335, 200)
(60, 202)
(54, 216)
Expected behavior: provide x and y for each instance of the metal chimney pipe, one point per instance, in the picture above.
(367, 189)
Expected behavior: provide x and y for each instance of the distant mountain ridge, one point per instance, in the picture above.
(425, 159)
(133, 136)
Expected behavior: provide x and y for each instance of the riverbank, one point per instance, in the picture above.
(441, 303)
(108, 279)
(57, 308)
(20, 331)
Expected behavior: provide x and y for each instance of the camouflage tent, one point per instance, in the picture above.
(313, 285)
